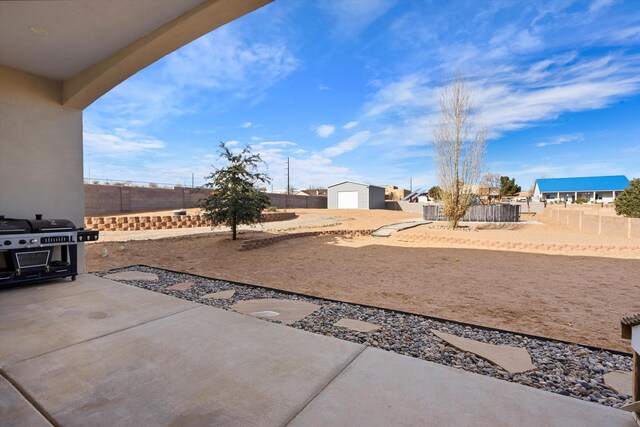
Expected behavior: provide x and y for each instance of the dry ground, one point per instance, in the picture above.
(577, 297)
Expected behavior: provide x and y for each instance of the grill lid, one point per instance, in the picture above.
(50, 225)
(14, 226)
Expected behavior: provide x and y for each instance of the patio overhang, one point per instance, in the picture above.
(92, 46)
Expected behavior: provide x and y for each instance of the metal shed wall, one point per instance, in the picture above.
(369, 196)
(363, 194)
(376, 197)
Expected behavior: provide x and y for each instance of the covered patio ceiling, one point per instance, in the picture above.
(93, 45)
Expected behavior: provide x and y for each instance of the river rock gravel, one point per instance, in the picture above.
(568, 369)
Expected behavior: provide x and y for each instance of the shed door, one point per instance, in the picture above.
(347, 200)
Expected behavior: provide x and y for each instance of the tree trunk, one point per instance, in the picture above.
(234, 227)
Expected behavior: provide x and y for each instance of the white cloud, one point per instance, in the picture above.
(350, 125)
(222, 63)
(511, 99)
(246, 125)
(597, 5)
(512, 39)
(222, 60)
(409, 91)
(561, 139)
(323, 88)
(276, 143)
(120, 142)
(350, 17)
(232, 143)
(325, 131)
(348, 144)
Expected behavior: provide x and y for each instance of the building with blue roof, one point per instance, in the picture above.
(600, 189)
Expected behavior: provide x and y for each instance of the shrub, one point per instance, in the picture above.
(581, 200)
(628, 202)
(272, 209)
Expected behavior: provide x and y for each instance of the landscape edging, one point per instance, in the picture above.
(267, 241)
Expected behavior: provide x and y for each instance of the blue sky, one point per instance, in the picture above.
(347, 89)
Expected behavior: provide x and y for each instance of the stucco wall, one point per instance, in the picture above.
(588, 221)
(40, 150)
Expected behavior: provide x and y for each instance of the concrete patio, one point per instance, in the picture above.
(98, 352)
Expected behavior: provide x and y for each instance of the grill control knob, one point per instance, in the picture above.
(34, 240)
(7, 242)
(22, 242)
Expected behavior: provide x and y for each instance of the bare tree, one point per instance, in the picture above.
(459, 150)
(490, 180)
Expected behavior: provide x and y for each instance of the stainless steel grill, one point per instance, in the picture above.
(40, 249)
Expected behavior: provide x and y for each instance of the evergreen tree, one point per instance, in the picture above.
(508, 187)
(628, 202)
(235, 198)
(434, 193)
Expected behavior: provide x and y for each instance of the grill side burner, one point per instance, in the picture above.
(37, 250)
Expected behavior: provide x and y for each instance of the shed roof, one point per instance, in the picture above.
(357, 183)
(586, 183)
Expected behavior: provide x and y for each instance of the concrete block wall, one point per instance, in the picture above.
(115, 199)
(588, 221)
(283, 201)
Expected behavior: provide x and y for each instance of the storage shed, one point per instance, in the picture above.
(352, 195)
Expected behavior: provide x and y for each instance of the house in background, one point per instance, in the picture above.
(312, 192)
(595, 189)
(391, 192)
(353, 195)
(488, 194)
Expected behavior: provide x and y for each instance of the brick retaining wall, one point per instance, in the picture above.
(137, 223)
(267, 241)
(501, 245)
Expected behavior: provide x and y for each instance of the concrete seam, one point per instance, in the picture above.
(105, 335)
(22, 392)
(324, 387)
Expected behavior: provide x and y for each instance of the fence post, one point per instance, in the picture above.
(580, 222)
(599, 223)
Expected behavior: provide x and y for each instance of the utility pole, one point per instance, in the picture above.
(288, 176)
(192, 181)
(411, 184)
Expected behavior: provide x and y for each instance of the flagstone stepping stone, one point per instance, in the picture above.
(632, 407)
(219, 295)
(357, 325)
(132, 275)
(512, 359)
(620, 381)
(183, 286)
(282, 310)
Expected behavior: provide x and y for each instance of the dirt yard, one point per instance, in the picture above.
(578, 297)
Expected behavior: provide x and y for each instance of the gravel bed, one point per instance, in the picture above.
(567, 369)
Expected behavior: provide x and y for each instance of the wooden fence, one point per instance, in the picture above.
(480, 213)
